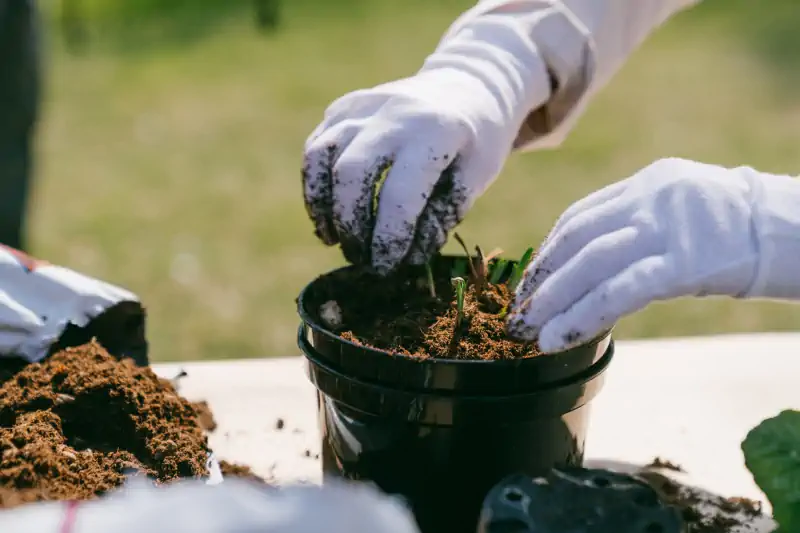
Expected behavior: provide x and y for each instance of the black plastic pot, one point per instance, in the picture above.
(442, 433)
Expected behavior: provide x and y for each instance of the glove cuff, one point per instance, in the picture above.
(776, 223)
(496, 50)
(552, 46)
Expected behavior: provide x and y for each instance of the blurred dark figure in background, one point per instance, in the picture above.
(19, 105)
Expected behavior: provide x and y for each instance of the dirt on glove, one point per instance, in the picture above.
(74, 425)
(400, 315)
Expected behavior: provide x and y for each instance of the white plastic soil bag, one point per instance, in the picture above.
(42, 304)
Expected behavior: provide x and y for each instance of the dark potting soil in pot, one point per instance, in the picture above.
(398, 314)
(74, 425)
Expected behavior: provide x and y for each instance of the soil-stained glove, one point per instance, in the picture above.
(676, 228)
(45, 307)
(508, 73)
(235, 506)
(445, 132)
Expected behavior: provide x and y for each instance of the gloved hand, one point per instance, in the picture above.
(443, 134)
(676, 228)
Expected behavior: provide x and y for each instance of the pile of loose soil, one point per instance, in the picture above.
(702, 512)
(74, 425)
(204, 416)
(398, 314)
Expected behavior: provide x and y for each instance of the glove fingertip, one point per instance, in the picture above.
(550, 341)
(557, 336)
(518, 328)
(325, 233)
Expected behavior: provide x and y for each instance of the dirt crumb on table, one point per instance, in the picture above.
(74, 425)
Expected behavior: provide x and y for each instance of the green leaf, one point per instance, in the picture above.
(376, 189)
(526, 258)
(519, 268)
(497, 271)
(772, 454)
(460, 286)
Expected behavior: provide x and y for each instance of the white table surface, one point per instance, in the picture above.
(688, 400)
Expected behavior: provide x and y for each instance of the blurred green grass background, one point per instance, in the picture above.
(171, 143)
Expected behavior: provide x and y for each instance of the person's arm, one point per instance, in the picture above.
(432, 143)
(583, 44)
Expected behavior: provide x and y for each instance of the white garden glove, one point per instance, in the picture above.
(508, 74)
(43, 306)
(235, 506)
(676, 228)
(458, 116)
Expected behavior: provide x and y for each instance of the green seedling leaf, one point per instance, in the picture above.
(460, 287)
(497, 271)
(519, 269)
(772, 454)
(526, 258)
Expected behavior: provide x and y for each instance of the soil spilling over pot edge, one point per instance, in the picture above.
(74, 425)
(398, 314)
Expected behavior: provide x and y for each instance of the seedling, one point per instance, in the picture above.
(479, 265)
(497, 271)
(519, 269)
(431, 284)
(460, 288)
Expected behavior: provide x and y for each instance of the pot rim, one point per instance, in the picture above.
(590, 373)
(310, 322)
